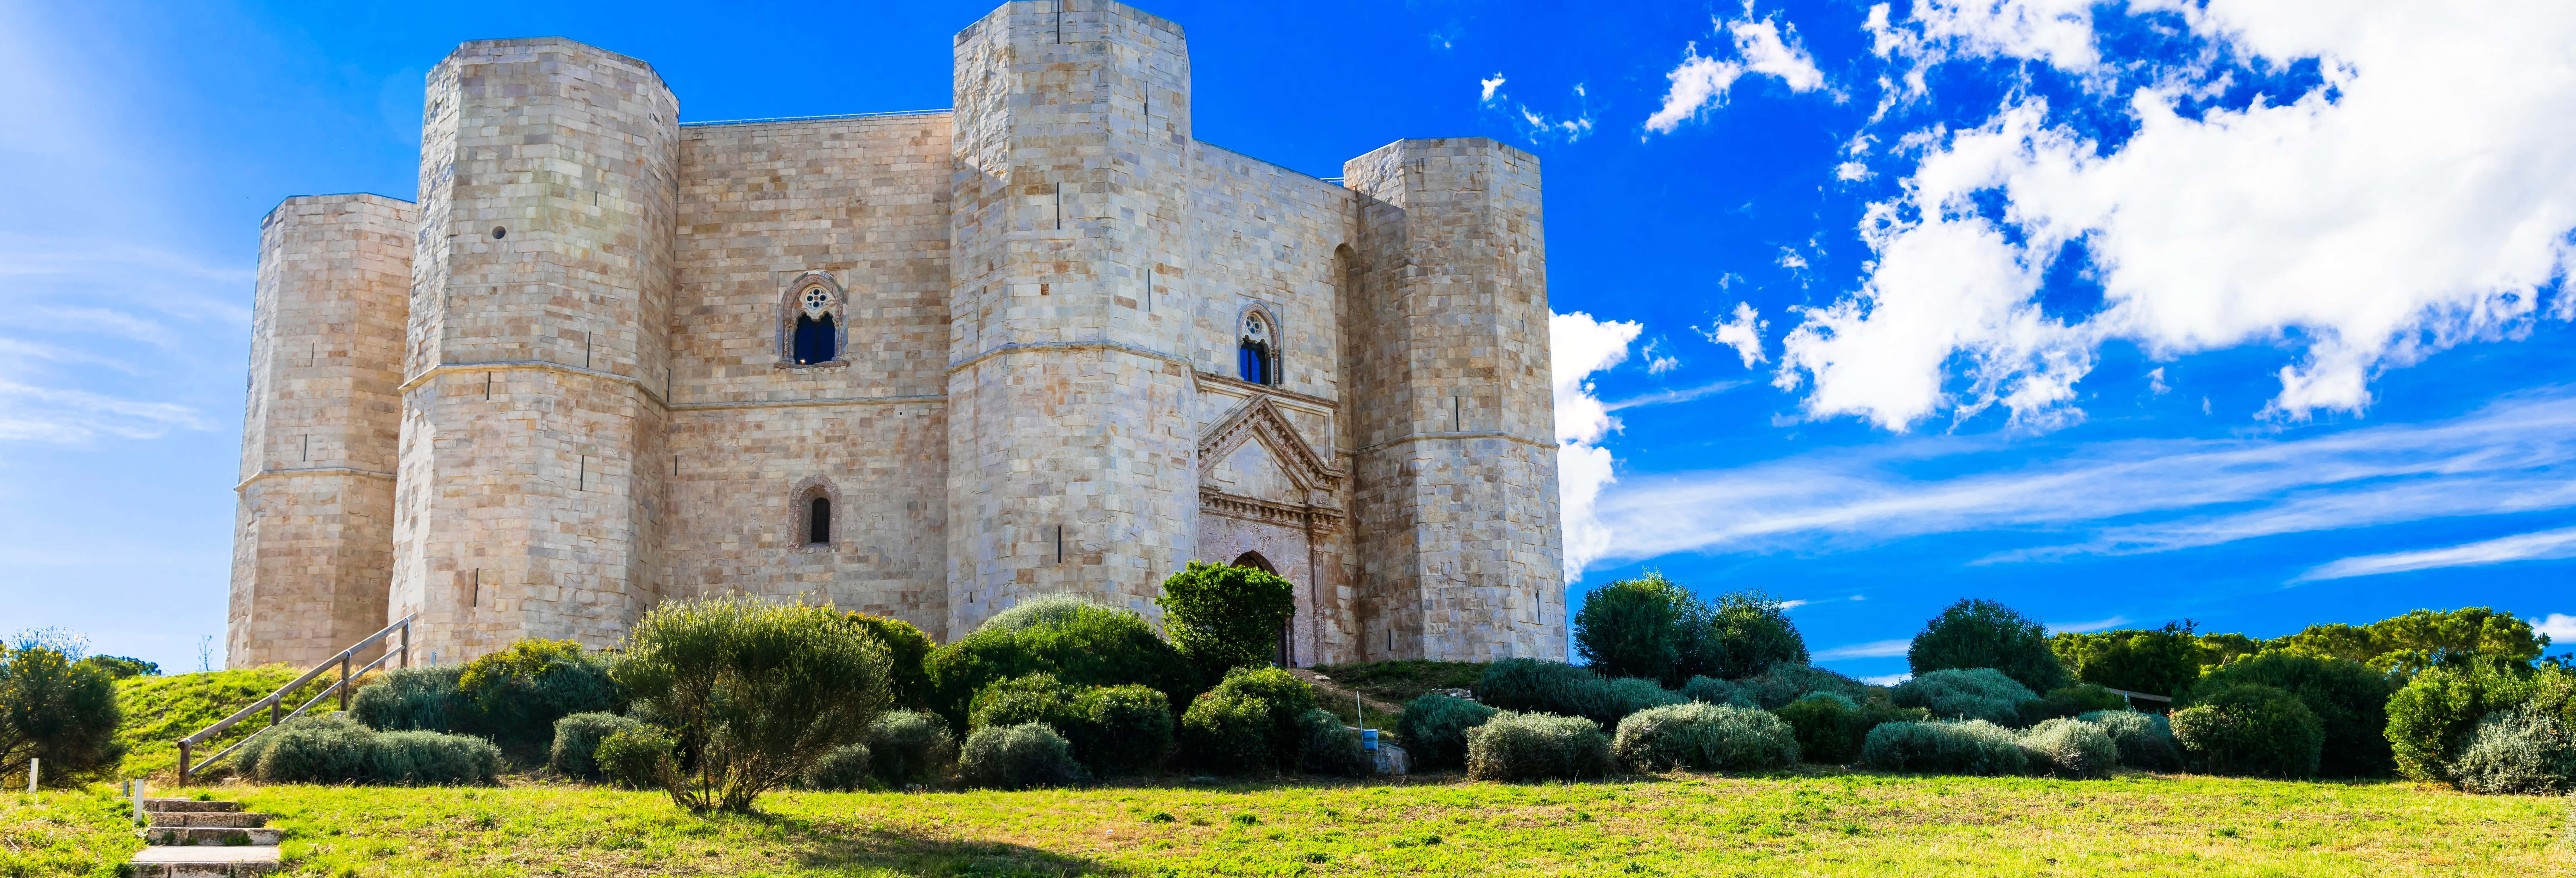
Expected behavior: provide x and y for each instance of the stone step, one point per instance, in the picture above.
(204, 862)
(211, 835)
(188, 805)
(236, 819)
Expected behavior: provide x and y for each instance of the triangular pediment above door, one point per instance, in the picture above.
(1259, 422)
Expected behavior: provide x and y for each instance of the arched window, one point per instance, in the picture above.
(818, 520)
(1253, 358)
(818, 335)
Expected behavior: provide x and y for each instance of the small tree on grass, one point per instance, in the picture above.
(755, 692)
(1639, 627)
(58, 711)
(1985, 634)
(1225, 617)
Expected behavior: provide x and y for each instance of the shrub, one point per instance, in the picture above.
(755, 692)
(1434, 729)
(2435, 714)
(1829, 727)
(637, 757)
(2349, 698)
(1711, 690)
(908, 686)
(426, 758)
(909, 746)
(2164, 661)
(1747, 633)
(1643, 627)
(118, 667)
(1944, 747)
(1035, 698)
(61, 712)
(2071, 748)
(1224, 617)
(421, 698)
(515, 695)
(1784, 683)
(1123, 728)
(1281, 697)
(2249, 729)
(846, 769)
(1704, 737)
(1532, 685)
(1081, 643)
(1985, 634)
(577, 737)
(2520, 751)
(1972, 693)
(328, 748)
(1228, 734)
(2145, 740)
(1534, 746)
(1328, 747)
(2071, 701)
(1018, 757)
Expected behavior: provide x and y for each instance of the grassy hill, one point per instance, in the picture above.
(161, 710)
(1807, 823)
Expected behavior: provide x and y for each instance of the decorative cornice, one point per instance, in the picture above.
(1317, 518)
(1424, 437)
(1261, 418)
(531, 366)
(807, 403)
(1248, 388)
(1035, 346)
(313, 471)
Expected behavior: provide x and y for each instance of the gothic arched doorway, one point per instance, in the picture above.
(1283, 655)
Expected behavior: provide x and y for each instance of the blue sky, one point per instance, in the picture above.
(2246, 312)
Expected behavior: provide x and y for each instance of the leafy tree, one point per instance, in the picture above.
(1977, 633)
(1081, 643)
(1641, 627)
(907, 647)
(54, 709)
(2252, 730)
(756, 692)
(2439, 710)
(119, 667)
(1225, 617)
(2422, 639)
(2349, 699)
(1747, 632)
(514, 696)
(2163, 661)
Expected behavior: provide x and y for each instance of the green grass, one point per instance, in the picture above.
(161, 710)
(1816, 823)
(1400, 682)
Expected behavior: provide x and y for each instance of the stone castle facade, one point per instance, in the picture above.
(918, 365)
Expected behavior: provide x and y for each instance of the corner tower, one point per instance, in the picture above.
(313, 532)
(1072, 449)
(1454, 415)
(530, 484)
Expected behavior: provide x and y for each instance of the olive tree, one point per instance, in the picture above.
(753, 693)
(57, 710)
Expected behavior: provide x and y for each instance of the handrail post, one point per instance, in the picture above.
(276, 705)
(184, 762)
(344, 682)
(406, 642)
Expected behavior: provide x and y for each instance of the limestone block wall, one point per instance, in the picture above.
(529, 498)
(860, 205)
(1071, 445)
(1455, 435)
(313, 529)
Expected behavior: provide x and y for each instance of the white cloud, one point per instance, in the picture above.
(2560, 627)
(1490, 85)
(1659, 361)
(1701, 82)
(2543, 545)
(1579, 346)
(2112, 498)
(1791, 260)
(1682, 394)
(76, 416)
(1874, 649)
(2419, 198)
(1744, 333)
(2156, 382)
(1887, 679)
(2083, 627)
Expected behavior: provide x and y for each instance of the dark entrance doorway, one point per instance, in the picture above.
(1283, 654)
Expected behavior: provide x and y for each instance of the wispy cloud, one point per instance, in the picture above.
(1701, 82)
(2543, 545)
(76, 416)
(2116, 497)
(2084, 627)
(1679, 394)
(1873, 649)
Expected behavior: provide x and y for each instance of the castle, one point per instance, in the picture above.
(922, 365)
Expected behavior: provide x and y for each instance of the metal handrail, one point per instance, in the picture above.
(275, 701)
(2168, 699)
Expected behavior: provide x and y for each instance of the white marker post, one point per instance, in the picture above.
(35, 767)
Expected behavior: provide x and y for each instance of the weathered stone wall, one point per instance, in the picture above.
(863, 204)
(530, 491)
(313, 529)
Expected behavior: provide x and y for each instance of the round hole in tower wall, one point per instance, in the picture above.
(499, 233)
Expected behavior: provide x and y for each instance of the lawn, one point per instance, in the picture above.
(1816, 823)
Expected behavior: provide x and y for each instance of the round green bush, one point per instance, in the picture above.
(1434, 729)
(62, 711)
(2164, 661)
(1829, 727)
(2517, 752)
(1644, 627)
(1969, 693)
(1536, 686)
(1228, 734)
(577, 740)
(2145, 740)
(1711, 690)
(1123, 728)
(515, 695)
(1747, 633)
(1786, 682)
(417, 758)
(2348, 697)
(1082, 644)
(634, 757)
(909, 746)
(754, 691)
(907, 685)
(1283, 698)
(1018, 757)
(847, 769)
(1033, 698)
(2071, 701)
(2071, 749)
(1985, 634)
(2433, 716)
(1328, 747)
(1533, 746)
(324, 748)
(1945, 747)
(1224, 617)
(1704, 737)
(422, 698)
(2249, 730)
